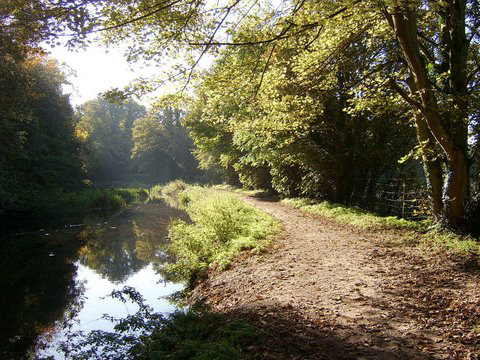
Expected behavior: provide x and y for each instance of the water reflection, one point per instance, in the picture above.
(46, 278)
(111, 252)
(37, 287)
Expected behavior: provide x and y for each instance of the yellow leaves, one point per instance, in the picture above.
(81, 134)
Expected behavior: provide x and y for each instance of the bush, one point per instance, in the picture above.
(223, 225)
(171, 192)
(58, 203)
(155, 193)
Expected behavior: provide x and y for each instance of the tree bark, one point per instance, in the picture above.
(432, 165)
(453, 142)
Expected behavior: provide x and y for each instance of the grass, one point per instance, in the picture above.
(250, 192)
(200, 334)
(416, 233)
(355, 216)
(222, 226)
(59, 203)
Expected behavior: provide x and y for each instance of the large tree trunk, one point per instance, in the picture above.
(456, 190)
(457, 180)
(448, 130)
(432, 165)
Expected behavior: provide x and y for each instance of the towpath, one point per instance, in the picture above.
(326, 290)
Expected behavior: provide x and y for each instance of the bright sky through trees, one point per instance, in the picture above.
(95, 70)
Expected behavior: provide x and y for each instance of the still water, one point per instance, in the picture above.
(50, 275)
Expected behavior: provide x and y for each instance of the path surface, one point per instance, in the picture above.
(331, 291)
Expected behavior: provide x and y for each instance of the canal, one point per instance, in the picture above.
(57, 281)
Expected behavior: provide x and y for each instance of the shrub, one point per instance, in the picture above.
(171, 192)
(155, 193)
(223, 225)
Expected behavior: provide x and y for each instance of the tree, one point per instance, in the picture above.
(38, 147)
(434, 46)
(437, 68)
(296, 135)
(162, 148)
(53, 150)
(106, 130)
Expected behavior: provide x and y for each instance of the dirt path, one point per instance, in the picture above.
(332, 291)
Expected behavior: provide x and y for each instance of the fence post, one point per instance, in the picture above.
(403, 200)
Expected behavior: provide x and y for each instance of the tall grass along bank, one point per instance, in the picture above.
(222, 226)
(58, 204)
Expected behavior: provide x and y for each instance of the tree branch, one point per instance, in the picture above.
(210, 40)
(126, 22)
(265, 70)
(393, 84)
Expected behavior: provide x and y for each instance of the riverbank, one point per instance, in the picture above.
(222, 226)
(219, 227)
(313, 287)
(53, 206)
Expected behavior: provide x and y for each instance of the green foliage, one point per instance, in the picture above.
(202, 335)
(170, 192)
(56, 203)
(223, 225)
(195, 333)
(155, 192)
(38, 148)
(413, 232)
(297, 135)
(162, 148)
(316, 92)
(29, 22)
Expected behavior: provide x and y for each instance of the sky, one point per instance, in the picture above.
(97, 69)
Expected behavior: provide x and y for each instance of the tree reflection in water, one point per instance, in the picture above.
(39, 286)
(129, 243)
(111, 252)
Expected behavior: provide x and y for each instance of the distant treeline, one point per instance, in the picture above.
(122, 142)
(46, 145)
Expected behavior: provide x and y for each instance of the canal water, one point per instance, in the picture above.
(56, 277)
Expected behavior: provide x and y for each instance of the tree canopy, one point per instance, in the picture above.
(285, 61)
(417, 55)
